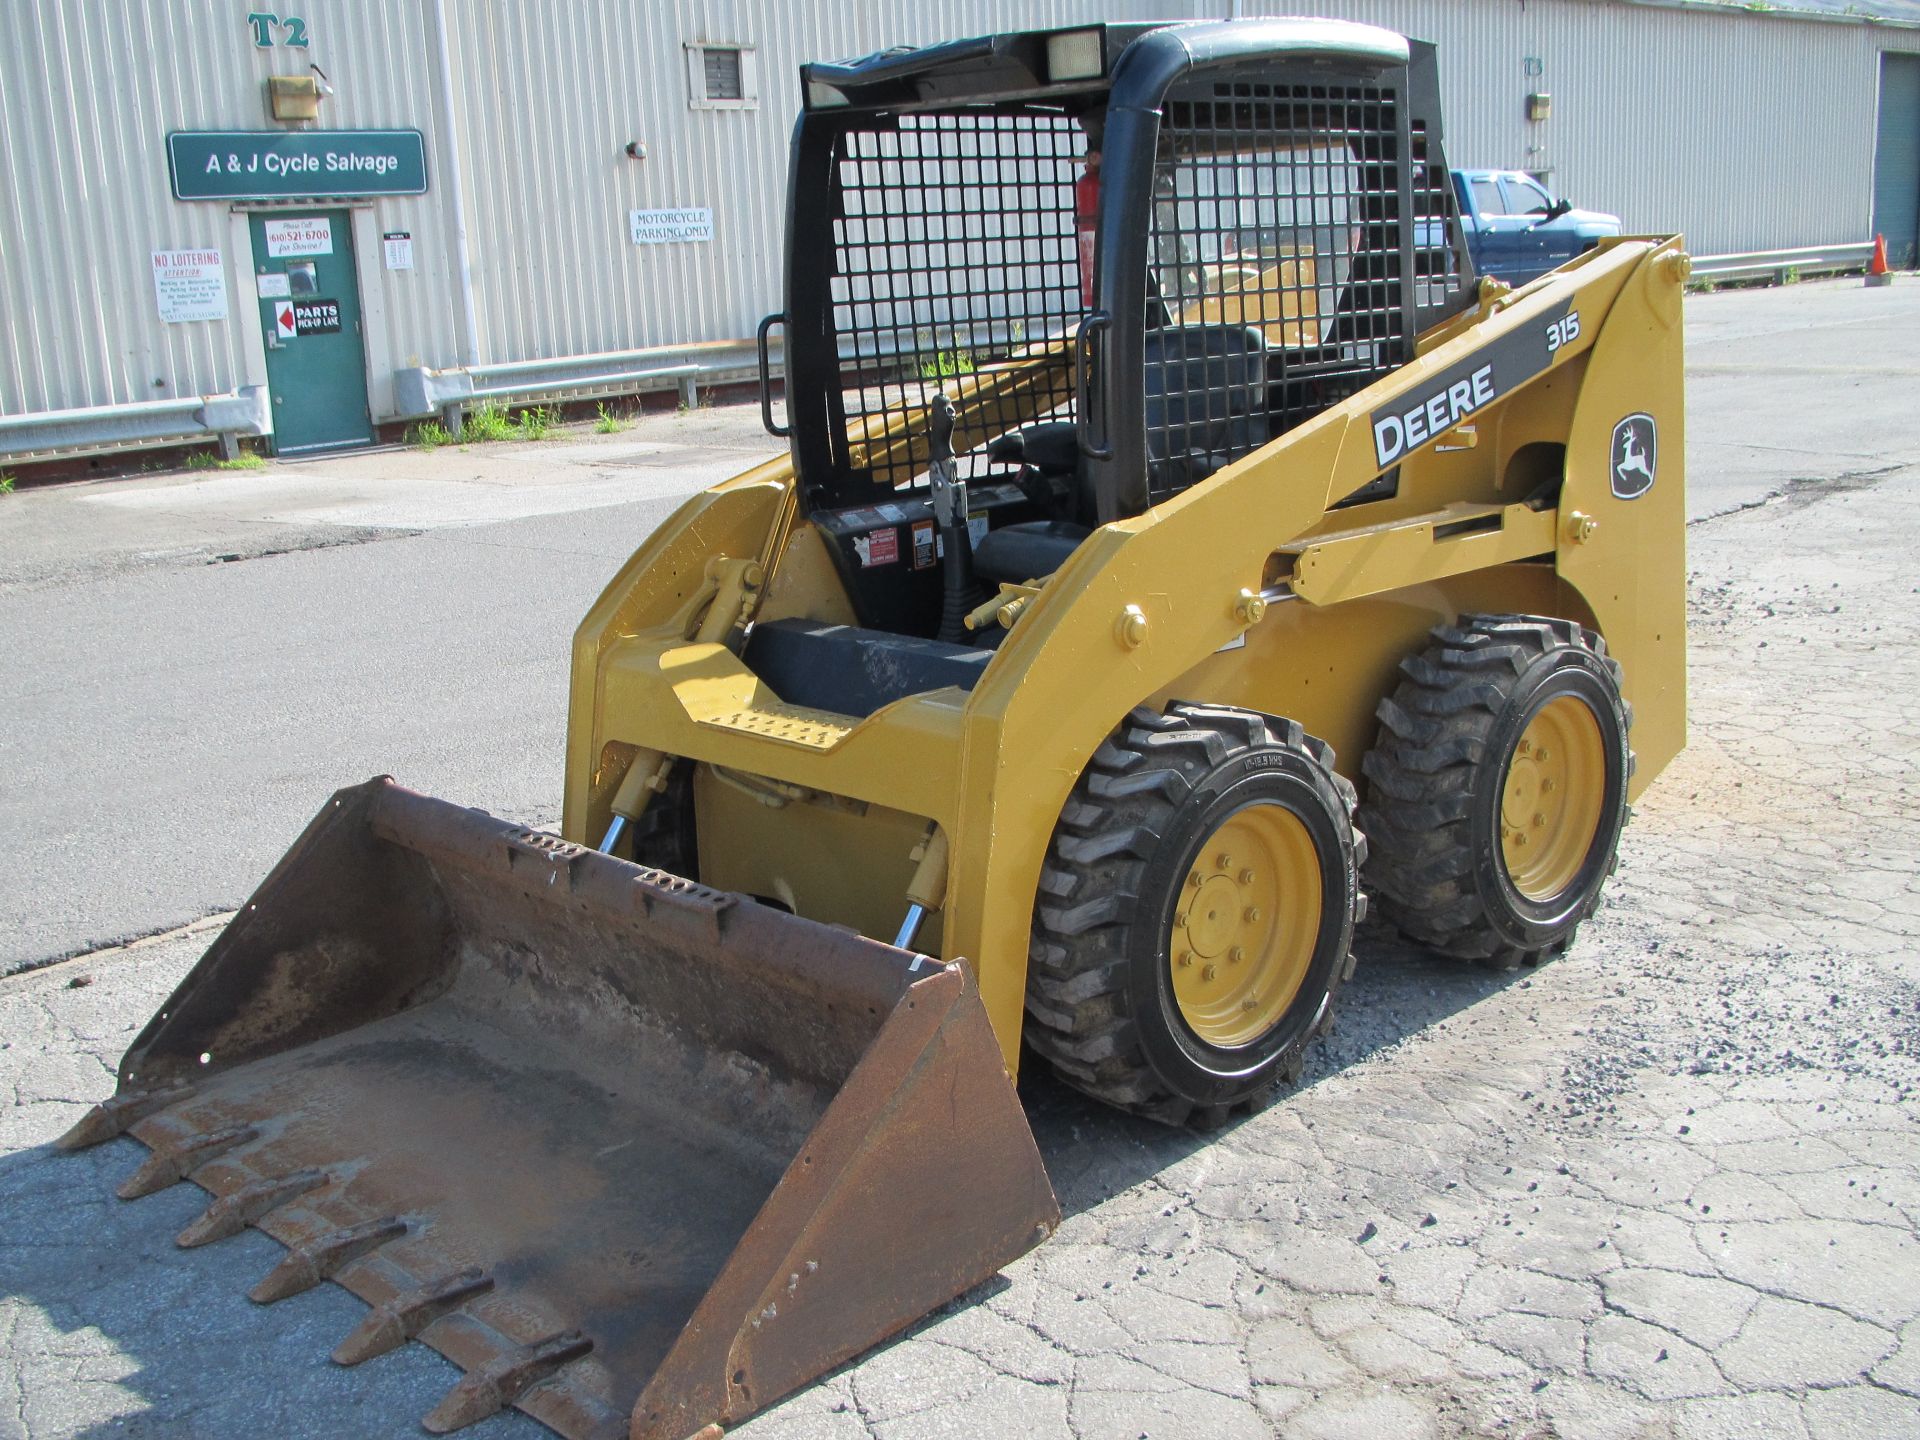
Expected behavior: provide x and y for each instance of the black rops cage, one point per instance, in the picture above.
(1274, 231)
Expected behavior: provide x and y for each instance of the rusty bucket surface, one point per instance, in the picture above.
(639, 1156)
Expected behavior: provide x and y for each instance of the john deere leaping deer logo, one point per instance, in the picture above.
(1635, 453)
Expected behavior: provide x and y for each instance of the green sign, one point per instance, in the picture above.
(296, 165)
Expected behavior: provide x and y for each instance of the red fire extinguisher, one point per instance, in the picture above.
(1086, 216)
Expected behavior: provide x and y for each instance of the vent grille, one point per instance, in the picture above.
(721, 70)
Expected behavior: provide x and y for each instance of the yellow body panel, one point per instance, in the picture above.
(1152, 608)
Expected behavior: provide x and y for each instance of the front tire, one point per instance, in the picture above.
(1498, 788)
(1195, 915)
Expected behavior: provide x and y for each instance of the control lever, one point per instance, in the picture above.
(960, 594)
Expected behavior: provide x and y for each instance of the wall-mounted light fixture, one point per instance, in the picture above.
(1539, 106)
(294, 97)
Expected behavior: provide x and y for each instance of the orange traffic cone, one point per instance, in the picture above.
(1877, 272)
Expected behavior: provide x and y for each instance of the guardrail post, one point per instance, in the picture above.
(229, 445)
(689, 392)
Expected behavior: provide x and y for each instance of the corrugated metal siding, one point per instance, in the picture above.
(550, 93)
(88, 95)
(1744, 131)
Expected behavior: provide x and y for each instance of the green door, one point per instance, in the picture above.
(310, 316)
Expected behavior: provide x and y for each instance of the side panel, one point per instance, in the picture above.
(1329, 668)
(1633, 569)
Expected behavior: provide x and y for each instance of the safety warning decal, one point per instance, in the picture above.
(881, 547)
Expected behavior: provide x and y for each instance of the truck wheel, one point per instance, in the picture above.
(1195, 913)
(1498, 788)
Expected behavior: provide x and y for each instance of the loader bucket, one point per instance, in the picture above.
(637, 1155)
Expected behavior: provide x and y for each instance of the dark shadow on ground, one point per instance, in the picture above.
(1397, 991)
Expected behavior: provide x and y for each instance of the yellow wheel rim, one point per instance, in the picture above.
(1245, 925)
(1550, 801)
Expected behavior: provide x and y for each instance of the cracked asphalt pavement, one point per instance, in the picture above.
(1666, 1186)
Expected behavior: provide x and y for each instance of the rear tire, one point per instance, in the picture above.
(1497, 789)
(1195, 915)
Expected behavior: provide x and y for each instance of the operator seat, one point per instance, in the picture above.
(1205, 406)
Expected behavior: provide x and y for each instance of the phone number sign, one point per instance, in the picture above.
(296, 165)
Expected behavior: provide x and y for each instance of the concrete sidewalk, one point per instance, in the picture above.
(70, 530)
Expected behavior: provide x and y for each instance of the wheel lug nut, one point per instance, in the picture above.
(1541, 754)
(1253, 914)
(1237, 954)
(1180, 919)
(1526, 747)
(1246, 877)
(1184, 958)
(1538, 819)
(1193, 879)
(1546, 787)
(1519, 837)
(1210, 972)
(1225, 861)
(1250, 1003)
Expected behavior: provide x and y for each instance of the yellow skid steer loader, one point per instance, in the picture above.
(1159, 474)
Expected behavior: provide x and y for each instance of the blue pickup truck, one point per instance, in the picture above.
(1517, 230)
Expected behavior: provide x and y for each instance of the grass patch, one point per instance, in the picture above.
(486, 422)
(948, 363)
(6, 483)
(534, 424)
(609, 423)
(210, 460)
(429, 435)
(491, 421)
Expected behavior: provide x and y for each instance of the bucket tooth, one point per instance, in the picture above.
(233, 1212)
(111, 1117)
(499, 1383)
(305, 1266)
(171, 1165)
(389, 1326)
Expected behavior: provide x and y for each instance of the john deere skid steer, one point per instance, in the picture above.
(1176, 541)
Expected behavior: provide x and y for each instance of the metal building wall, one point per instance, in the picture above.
(1672, 119)
(1747, 132)
(1744, 131)
(550, 92)
(88, 94)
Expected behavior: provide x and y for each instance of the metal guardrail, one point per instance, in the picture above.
(99, 428)
(1778, 264)
(420, 393)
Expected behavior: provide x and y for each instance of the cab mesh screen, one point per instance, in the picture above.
(956, 268)
(1274, 285)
